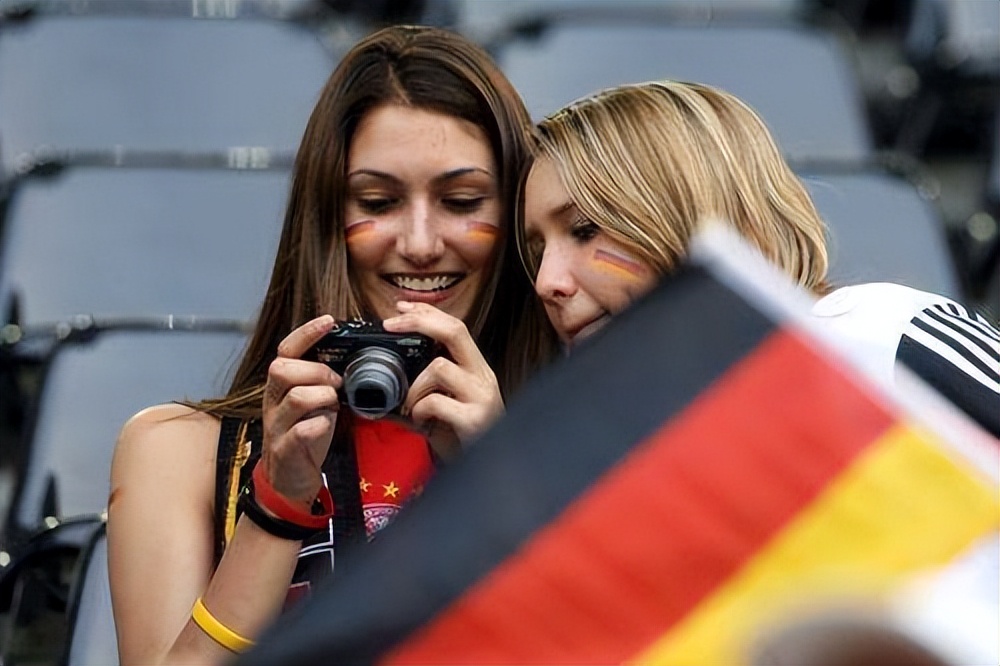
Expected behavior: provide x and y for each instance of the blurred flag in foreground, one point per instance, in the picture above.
(703, 466)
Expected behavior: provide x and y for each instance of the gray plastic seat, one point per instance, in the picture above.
(481, 19)
(122, 242)
(92, 638)
(96, 81)
(882, 230)
(799, 80)
(89, 391)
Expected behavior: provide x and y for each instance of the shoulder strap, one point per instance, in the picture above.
(238, 444)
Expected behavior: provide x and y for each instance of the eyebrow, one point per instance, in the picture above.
(441, 178)
(561, 209)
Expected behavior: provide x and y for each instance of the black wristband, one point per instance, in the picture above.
(274, 526)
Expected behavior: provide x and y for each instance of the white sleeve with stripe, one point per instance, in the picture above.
(955, 351)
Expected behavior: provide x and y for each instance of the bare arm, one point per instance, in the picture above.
(160, 527)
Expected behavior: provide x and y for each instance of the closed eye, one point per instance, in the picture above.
(583, 229)
(376, 205)
(464, 204)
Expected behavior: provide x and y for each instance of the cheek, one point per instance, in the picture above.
(368, 241)
(619, 276)
(475, 241)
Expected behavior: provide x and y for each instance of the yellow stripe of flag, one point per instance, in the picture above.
(904, 505)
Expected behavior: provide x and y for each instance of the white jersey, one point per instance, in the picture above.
(954, 350)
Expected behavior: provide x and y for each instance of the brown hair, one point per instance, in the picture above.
(419, 67)
(649, 162)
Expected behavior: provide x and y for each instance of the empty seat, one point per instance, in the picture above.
(882, 230)
(483, 19)
(88, 79)
(88, 391)
(799, 80)
(118, 242)
(92, 638)
(43, 588)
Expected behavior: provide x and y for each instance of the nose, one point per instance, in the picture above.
(420, 241)
(555, 281)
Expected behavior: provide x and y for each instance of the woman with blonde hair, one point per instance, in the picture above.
(621, 181)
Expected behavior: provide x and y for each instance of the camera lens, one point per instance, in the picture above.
(375, 382)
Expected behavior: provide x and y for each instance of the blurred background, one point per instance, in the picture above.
(145, 148)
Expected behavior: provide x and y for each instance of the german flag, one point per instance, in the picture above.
(689, 473)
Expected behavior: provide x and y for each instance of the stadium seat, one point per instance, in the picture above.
(44, 587)
(81, 76)
(119, 242)
(813, 106)
(92, 638)
(92, 384)
(482, 19)
(882, 230)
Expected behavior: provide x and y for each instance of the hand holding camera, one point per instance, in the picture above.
(300, 406)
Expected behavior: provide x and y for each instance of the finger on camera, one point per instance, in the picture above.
(300, 402)
(298, 342)
(288, 372)
(465, 420)
(440, 376)
(442, 327)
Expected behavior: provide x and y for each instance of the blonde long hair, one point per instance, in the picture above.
(648, 162)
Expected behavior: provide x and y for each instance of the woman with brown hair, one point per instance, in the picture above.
(400, 209)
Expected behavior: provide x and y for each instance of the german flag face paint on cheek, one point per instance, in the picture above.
(358, 231)
(481, 233)
(619, 265)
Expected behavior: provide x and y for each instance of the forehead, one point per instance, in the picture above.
(400, 139)
(545, 195)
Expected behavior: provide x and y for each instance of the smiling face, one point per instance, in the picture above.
(423, 210)
(584, 276)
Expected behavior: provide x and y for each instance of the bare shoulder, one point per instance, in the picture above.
(167, 437)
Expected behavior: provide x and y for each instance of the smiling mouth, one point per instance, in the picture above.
(424, 283)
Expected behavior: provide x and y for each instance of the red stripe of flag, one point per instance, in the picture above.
(659, 533)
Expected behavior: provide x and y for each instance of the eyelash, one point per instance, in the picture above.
(583, 229)
(376, 206)
(455, 205)
(464, 205)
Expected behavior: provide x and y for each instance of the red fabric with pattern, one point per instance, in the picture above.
(394, 463)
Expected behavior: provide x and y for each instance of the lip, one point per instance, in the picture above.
(580, 333)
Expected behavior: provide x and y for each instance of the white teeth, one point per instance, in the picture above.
(424, 283)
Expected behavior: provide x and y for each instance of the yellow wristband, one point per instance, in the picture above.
(217, 631)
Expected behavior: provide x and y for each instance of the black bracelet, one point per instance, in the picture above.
(275, 526)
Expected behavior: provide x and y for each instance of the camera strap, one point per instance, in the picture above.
(344, 480)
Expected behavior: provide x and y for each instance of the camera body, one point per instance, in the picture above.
(377, 366)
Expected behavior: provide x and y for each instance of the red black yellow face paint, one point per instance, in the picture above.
(619, 264)
(481, 232)
(359, 230)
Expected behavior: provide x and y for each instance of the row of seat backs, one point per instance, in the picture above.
(180, 76)
(114, 242)
(200, 84)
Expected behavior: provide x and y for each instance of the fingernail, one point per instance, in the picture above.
(404, 306)
(389, 322)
